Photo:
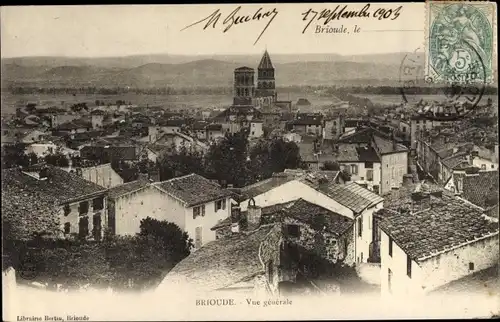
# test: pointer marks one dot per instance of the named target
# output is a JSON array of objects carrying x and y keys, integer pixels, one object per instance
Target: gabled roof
[
  {"x": 309, "y": 214},
  {"x": 75, "y": 124},
  {"x": 352, "y": 153},
  {"x": 60, "y": 185},
  {"x": 352, "y": 196},
  {"x": 220, "y": 263},
  {"x": 448, "y": 223},
  {"x": 480, "y": 188},
  {"x": 361, "y": 136},
  {"x": 455, "y": 160},
  {"x": 126, "y": 188},
  {"x": 264, "y": 186},
  {"x": 265, "y": 62},
  {"x": 193, "y": 189}
]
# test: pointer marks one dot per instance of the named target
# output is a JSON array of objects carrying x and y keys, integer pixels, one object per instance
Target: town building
[
  {"x": 324, "y": 189},
  {"x": 103, "y": 175},
  {"x": 47, "y": 200},
  {"x": 195, "y": 204},
  {"x": 308, "y": 123},
  {"x": 432, "y": 239},
  {"x": 262, "y": 250},
  {"x": 393, "y": 155},
  {"x": 256, "y": 130},
  {"x": 479, "y": 187}
]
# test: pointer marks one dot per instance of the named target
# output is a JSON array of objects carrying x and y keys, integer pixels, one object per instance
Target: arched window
[{"x": 246, "y": 91}]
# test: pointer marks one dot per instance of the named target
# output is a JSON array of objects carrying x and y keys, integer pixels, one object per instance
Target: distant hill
[{"x": 176, "y": 70}]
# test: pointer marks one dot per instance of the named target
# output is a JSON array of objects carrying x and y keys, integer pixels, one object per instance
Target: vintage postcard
[{"x": 273, "y": 161}]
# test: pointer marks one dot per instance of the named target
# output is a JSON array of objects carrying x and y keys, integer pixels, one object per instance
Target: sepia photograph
[{"x": 262, "y": 162}]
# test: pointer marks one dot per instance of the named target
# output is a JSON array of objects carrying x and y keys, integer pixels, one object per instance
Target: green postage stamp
[{"x": 460, "y": 42}]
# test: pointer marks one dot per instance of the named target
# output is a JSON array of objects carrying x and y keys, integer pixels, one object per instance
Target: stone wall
[{"x": 270, "y": 249}]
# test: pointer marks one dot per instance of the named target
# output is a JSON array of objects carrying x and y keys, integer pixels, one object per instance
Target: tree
[
  {"x": 180, "y": 163},
  {"x": 57, "y": 159},
  {"x": 13, "y": 155},
  {"x": 176, "y": 242},
  {"x": 226, "y": 161}
]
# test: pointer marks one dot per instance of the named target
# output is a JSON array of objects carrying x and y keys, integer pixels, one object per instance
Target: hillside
[{"x": 326, "y": 70}]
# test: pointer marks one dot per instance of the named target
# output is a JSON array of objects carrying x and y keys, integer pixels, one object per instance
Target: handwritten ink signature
[{"x": 234, "y": 19}]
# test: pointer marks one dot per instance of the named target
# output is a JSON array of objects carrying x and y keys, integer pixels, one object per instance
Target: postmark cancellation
[{"x": 460, "y": 42}]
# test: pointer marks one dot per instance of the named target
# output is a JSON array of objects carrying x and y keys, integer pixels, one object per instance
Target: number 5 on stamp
[{"x": 460, "y": 38}]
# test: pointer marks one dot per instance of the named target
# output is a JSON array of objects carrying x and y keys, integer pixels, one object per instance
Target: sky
[{"x": 107, "y": 31}]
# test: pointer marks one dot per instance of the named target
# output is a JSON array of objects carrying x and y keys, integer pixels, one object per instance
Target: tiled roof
[
  {"x": 30, "y": 205},
  {"x": 308, "y": 213},
  {"x": 386, "y": 146},
  {"x": 448, "y": 223},
  {"x": 115, "y": 152},
  {"x": 60, "y": 185},
  {"x": 455, "y": 160},
  {"x": 75, "y": 124},
  {"x": 478, "y": 188},
  {"x": 265, "y": 62},
  {"x": 193, "y": 189},
  {"x": 361, "y": 136},
  {"x": 171, "y": 122},
  {"x": 352, "y": 196},
  {"x": 352, "y": 153},
  {"x": 263, "y": 186},
  {"x": 128, "y": 187},
  {"x": 220, "y": 263}
]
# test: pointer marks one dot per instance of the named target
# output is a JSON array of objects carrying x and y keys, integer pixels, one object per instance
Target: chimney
[
  {"x": 473, "y": 154},
  {"x": 254, "y": 214},
  {"x": 407, "y": 180},
  {"x": 235, "y": 219},
  {"x": 420, "y": 201}
]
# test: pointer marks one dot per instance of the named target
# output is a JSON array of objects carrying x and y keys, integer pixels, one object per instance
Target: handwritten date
[{"x": 339, "y": 12}]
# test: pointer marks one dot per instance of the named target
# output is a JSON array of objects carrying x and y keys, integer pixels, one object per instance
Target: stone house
[
  {"x": 349, "y": 200},
  {"x": 432, "y": 239},
  {"x": 193, "y": 203},
  {"x": 48, "y": 200}
]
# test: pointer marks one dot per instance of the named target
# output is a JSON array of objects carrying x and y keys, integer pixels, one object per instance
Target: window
[
  {"x": 67, "y": 228},
  {"x": 198, "y": 211},
  {"x": 83, "y": 226},
  {"x": 389, "y": 280},
  {"x": 67, "y": 210},
  {"x": 98, "y": 203},
  {"x": 390, "y": 246},
  {"x": 360, "y": 226},
  {"x": 83, "y": 208},
  {"x": 493, "y": 166},
  {"x": 198, "y": 237},
  {"x": 471, "y": 266},
  {"x": 369, "y": 175},
  {"x": 96, "y": 223},
  {"x": 220, "y": 204},
  {"x": 354, "y": 169},
  {"x": 408, "y": 266},
  {"x": 483, "y": 166},
  {"x": 293, "y": 230}
]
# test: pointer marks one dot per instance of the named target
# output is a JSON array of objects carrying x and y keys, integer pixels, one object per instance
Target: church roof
[{"x": 265, "y": 62}]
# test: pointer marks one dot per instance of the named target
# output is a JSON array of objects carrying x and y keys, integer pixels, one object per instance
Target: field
[
  {"x": 398, "y": 99},
  {"x": 11, "y": 101}
]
